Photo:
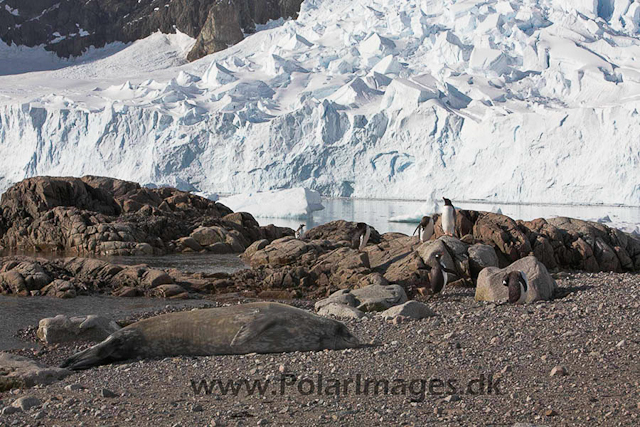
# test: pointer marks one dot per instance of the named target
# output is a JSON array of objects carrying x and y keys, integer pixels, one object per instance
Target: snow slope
[{"x": 523, "y": 102}]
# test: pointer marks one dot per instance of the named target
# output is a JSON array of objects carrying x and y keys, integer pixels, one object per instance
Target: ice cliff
[{"x": 532, "y": 101}]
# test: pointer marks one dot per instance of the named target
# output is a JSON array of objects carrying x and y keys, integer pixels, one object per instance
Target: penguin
[
  {"x": 363, "y": 234},
  {"x": 438, "y": 275},
  {"x": 448, "y": 218},
  {"x": 518, "y": 285},
  {"x": 300, "y": 232},
  {"x": 425, "y": 229}
]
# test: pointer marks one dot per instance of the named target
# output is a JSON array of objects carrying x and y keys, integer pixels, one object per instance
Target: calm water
[
  {"x": 378, "y": 213},
  {"x": 193, "y": 263}
]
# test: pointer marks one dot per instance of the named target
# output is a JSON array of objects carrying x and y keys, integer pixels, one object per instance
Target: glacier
[{"x": 520, "y": 102}]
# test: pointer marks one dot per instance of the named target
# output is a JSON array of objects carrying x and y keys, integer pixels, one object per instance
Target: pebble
[
  {"x": 10, "y": 410},
  {"x": 27, "y": 402},
  {"x": 107, "y": 393},
  {"x": 558, "y": 371}
]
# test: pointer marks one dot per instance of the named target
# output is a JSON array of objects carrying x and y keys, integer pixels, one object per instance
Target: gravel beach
[{"x": 569, "y": 361}]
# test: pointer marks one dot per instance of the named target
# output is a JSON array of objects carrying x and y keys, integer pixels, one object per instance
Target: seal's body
[
  {"x": 518, "y": 285},
  {"x": 448, "y": 218},
  {"x": 262, "y": 327},
  {"x": 425, "y": 229}
]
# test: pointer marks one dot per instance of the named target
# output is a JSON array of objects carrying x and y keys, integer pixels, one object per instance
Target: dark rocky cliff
[{"x": 69, "y": 27}]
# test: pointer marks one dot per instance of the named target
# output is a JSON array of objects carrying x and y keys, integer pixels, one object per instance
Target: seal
[
  {"x": 518, "y": 286},
  {"x": 262, "y": 327},
  {"x": 424, "y": 229}
]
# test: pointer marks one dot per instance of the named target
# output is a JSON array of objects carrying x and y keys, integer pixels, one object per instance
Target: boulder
[
  {"x": 284, "y": 251},
  {"x": 21, "y": 372},
  {"x": 154, "y": 278},
  {"x": 542, "y": 285},
  {"x": 343, "y": 297},
  {"x": 341, "y": 311},
  {"x": 53, "y": 330},
  {"x": 60, "y": 289},
  {"x": 171, "y": 291},
  {"x": 503, "y": 233},
  {"x": 481, "y": 256},
  {"x": 410, "y": 309},
  {"x": 339, "y": 231},
  {"x": 254, "y": 247},
  {"x": 379, "y": 298},
  {"x": 25, "y": 403},
  {"x": 206, "y": 236}
]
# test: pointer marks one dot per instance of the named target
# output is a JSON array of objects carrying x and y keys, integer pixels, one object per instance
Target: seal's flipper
[{"x": 254, "y": 329}]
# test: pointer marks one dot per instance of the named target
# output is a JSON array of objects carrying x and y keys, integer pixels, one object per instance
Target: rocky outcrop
[
  {"x": 340, "y": 231},
  {"x": 20, "y": 372},
  {"x": 541, "y": 285},
  {"x": 564, "y": 243},
  {"x": 69, "y": 27},
  {"x": 106, "y": 216}
]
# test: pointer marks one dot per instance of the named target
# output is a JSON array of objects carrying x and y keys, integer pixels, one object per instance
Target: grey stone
[
  {"x": 410, "y": 309},
  {"x": 18, "y": 371},
  {"x": 64, "y": 329},
  {"x": 27, "y": 402},
  {"x": 542, "y": 285},
  {"x": 340, "y": 310},
  {"x": 379, "y": 298}
]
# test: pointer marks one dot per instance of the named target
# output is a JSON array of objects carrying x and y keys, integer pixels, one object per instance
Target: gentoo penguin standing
[
  {"x": 300, "y": 232},
  {"x": 438, "y": 276},
  {"x": 425, "y": 229},
  {"x": 518, "y": 286},
  {"x": 448, "y": 218},
  {"x": 363, "y": 234}
]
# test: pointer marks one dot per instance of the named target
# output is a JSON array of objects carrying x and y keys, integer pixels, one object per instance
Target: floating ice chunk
[
  {"x": 376, "y": 45},
  {"x": 207, "y": 195},
  {"x": 496, "y": 210},
  {"x": 217, "y": 75},
  {"x": 388, "y": 65},
  {"x": 427, "y": 208},
  {"x": 355, "y": 92},
  {"x": 291, "y": 203},
  {"x": 407, "y": 94},
  {"x": 277, "y": 65},
  {"x": 294, "y": 42},
  {"x": 485, "y": 59}
]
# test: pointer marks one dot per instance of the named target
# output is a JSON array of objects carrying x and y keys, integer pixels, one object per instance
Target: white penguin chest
[{"x": 448, "y": 223}]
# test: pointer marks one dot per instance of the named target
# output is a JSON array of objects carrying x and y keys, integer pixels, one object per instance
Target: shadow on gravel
[{"x": 565, "y": 291}]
